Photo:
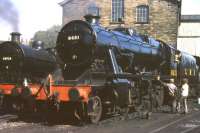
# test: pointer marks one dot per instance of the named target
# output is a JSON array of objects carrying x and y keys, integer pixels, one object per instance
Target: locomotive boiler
[
  {"x": 79, "y": 42},
  {"x": 22, "y": 59}
]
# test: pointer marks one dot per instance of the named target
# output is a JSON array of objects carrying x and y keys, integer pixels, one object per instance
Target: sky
[{"x": 35, "y": 15}]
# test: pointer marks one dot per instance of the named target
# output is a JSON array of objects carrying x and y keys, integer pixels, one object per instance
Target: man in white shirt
[{"x": 184, "y": 94}]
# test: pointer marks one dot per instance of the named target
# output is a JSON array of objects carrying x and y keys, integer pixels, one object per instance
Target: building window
[
  {"x": 142, "y": 14},
  {"x": 117, "y": 10},
  {"x": 93, "y": 10}
]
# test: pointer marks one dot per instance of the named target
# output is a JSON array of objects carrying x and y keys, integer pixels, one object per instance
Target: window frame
[
  {"x": 117, "y": 11},
  {"x": 142, "y": 17}
]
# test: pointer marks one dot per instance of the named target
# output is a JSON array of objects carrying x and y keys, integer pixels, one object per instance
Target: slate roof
[
  {"x": 190, "y": 18},
  {"x": 64, "y": 2}
]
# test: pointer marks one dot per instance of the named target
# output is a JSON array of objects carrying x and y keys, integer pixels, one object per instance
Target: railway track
[
  {"x": 158, "y": 123},
  {"x": 184, "y": 124}
]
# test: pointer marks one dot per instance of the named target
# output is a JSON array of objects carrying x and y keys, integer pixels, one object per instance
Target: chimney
[
  {"x": 92, "y": 19},
  {"x": 15, "y": 37}
]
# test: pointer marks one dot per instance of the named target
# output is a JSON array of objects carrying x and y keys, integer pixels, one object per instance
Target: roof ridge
[{"x": 64, "y": 2}]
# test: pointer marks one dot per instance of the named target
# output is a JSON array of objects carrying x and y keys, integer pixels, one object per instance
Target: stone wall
[
  {"x": 74, "y": 10},
  {"x": 164, "y": 21},
  {"x": 163, "y": 16}
]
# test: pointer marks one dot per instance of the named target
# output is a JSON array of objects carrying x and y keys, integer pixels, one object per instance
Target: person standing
[
  {"x": 170, "y": 92},
  {"x": 184, "y": 94}
]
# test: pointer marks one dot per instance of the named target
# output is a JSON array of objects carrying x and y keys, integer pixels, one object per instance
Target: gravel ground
[{"x": 161, "y": 121}]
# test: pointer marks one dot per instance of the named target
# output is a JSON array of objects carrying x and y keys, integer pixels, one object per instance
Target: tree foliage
[{"x": 48, "y": 37}]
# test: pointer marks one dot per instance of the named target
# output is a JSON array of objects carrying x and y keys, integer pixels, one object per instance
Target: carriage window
[
  {"x": 142, "y": 14},
  {"x": 117, "y": 10}
]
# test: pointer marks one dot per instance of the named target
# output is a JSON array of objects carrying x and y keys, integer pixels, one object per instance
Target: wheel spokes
[{"x": 96, "y": 113}]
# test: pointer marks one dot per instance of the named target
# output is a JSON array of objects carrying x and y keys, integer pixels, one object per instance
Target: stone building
[{"x": 157, "y": 18}]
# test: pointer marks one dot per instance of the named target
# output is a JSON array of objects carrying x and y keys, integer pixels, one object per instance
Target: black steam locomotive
[
  {"x": 103, "y": 71},
  {"x": 118, "y": 66},
  {"x": 23, "y": 69}
]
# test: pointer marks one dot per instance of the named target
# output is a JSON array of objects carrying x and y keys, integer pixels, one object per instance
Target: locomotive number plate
[
  {"x": 75, "y": 37},
  {"x": 7, "y": 58}
]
